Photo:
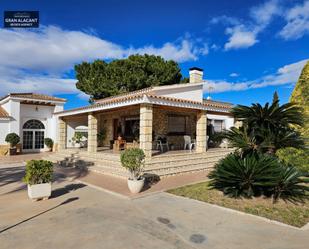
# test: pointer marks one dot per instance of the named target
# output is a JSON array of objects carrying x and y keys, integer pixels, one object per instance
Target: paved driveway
[{"x": 78, "y": 216}]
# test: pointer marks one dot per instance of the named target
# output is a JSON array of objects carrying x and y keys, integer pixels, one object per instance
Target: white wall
[
  {"x": 4, "y": 128},
  {"x": 42, "y": 113},
  {"x": 228, "y": 121},
  {"x": 71, "y": 125},
  {"x": 190, "y": 92},
  {"x": 13, "y": 108}
]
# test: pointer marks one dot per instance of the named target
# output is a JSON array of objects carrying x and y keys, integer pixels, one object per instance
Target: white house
[
  {"x": 31, "y": 116},
  {"x": 172, "y": 111}
]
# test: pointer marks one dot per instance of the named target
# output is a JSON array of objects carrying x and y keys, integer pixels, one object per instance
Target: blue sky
[{"x": 248, "y": 49}]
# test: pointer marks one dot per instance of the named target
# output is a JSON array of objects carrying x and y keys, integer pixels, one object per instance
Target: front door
[
  {"x": 33, "y": 135},
  {"x": 33, "y": 139}
]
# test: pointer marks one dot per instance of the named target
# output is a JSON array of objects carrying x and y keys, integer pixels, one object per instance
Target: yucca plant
[{"x": 246, "y": 176}]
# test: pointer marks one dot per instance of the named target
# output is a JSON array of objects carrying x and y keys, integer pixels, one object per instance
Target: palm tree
[
  {"x": 270, "y": 116},
  {"x": 266, "y": 128}
]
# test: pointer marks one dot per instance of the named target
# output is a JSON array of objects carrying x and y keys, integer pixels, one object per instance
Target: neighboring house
[
  {"x": 142, "y": 117},
  {"x": 31, "y": 116}
]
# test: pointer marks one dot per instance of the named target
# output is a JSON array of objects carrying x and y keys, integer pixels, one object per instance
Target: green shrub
[
  {"x": 12, "y": 138},
  {"x": 216, "y": 138},
  {"x": 291, "y": 184},
  {"x": 101, "y": 136},
  {"x": 258, "y": 174},
  {"x": 78, "y": 137},
  {"x": 38, "y": 171},
  {"x": 49, "y": 142},
  {"x": 296, "y": 157},
  {"x": 133, "y": 160},
  {"x": 247, "y": 176}
]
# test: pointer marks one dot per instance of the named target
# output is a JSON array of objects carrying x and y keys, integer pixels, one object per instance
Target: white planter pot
[
  {"x": 77, "y": 145},
  {"x": 39, "y": 191},
  {"x": 136, "y": 186}
]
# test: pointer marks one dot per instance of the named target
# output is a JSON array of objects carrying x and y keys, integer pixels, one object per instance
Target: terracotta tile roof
[
  {"x": 209, "y": 103},
  {"x": 34, "y": 96},
  {"x": 3, "y": 113},
  {"x": 106, "y": 101},
  {"x": 124, "y": 95},
  {"x": 149, "y": 93},
  {"x": 217, "y": 103}
]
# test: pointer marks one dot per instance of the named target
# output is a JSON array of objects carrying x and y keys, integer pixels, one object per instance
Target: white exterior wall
[
  {"x": 71, "y": 126},
  {"x": 190, "y": 92},
  {"x": 44, "y": 114},
  {"x": 228, "y": 121},
  {"x": 13, "y": 108},
  {"x": 4, "y": 128}
]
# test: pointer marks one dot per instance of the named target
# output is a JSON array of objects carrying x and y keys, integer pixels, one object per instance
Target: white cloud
[
  {"x": 36, "y": 60},
  {"x": 234, "y": 75},
  {"x": 218, "y": 86},
  {"x": 52, "y": 48},
  {"x": 182, "y": 52},
  {"x": 240, "y": 37},
  {"x": 263, "y": 14},
  {"x": 243, "y": 34},
  {"x": 226, "y": 20},
  {"x": 215, "y": 47},
  {"x": 297, "y": 19},
  {"x": 285, "y": 75}
]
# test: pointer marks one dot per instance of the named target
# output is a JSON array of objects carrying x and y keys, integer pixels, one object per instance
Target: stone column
[
  {"x": 62, "y": 136},
  {"x": 92, "y": 133},
  {"x": 145, "y": 132},
  {"x": 201, "y": 132}
]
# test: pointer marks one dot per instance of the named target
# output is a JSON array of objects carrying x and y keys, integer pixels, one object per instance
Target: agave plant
[{"x": 245, "y": 176}]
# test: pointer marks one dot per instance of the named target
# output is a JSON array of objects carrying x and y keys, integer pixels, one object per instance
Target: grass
[{"x": 285, "y": 212}]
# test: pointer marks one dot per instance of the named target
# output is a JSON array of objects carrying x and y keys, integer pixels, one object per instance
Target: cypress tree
[{"x": 300, "y": 95}]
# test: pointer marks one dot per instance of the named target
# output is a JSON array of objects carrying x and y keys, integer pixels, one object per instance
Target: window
[
  {"x": 131, "y": 128},
  {"x": 177, "y": 124},
  {"x": 33, "y": 124},
  {"x": 218, "y": 125}
]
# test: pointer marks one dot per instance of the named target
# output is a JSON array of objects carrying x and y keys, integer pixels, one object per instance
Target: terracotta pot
[{"x": 13, "y": 151}]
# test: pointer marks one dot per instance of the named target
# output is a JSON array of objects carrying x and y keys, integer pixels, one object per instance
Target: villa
[{"x": 172, "y": 119}]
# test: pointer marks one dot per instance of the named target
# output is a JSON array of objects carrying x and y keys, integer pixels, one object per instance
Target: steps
[{"x": 162, "y": 165}]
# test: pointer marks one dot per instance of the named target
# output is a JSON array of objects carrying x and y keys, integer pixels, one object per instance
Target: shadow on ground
[
  {"x": 11, "y": 175},
  {"x": 39, "y": 214},
  {"x": 66, "y": 189},
  {"x": 14, "y": 175}
]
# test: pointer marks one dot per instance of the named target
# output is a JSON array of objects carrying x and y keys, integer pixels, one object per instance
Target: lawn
[{"x": 285, "y": 212}]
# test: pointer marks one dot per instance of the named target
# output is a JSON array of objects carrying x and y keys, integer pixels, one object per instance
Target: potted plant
[
  {"x": 38, "y": 177},
  {"x": 133, "y": 160},
  {"x": 13, "y": 139},
  {"x": 77, "y": 139},
  {"x": 101, "y": 137},
  {"x": 49, "y": 143}
]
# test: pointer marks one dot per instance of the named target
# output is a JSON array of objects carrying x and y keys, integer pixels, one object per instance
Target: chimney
[{"x": 196, "y": 75}]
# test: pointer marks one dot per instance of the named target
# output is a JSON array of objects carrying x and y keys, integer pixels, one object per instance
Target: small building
[{"x": 31, "y": 116}]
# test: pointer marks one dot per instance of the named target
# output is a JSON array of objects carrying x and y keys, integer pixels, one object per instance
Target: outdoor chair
[
  {"x": 160, "y": 143},
  {"x": 188, "y": 142}
]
